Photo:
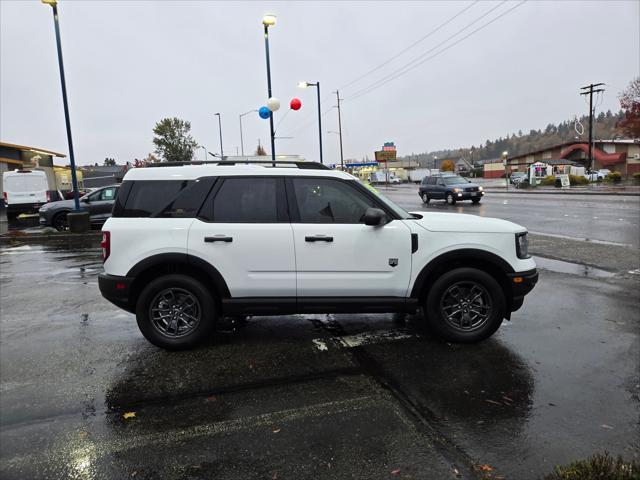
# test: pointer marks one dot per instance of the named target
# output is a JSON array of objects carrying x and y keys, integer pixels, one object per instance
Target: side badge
[{"x": 393, "y": 262}]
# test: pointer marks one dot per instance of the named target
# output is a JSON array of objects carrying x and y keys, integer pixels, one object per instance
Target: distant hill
[{"x": 604, "y": 127}]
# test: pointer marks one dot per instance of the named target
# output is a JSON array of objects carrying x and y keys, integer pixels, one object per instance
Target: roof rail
[{"x": 263, "y": 163}]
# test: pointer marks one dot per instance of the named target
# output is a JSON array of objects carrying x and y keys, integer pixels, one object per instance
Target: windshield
[
  {"x": 401, "y": 212},
  {"x": 454, "y": 180}
]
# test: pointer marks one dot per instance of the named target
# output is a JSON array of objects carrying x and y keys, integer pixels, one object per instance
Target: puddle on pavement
[{"x": 571, "y": 268}]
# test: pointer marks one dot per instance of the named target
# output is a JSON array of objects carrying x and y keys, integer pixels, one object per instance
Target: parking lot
[{"x": 83, "y": 395}]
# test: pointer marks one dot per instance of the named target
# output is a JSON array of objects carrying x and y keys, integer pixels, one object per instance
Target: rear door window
[
  {"x": 247, "y": 200},
  {"x": 25, "y": 182}
]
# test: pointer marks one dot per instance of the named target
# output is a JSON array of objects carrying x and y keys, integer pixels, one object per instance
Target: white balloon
[{"x": 273, "y": 104}]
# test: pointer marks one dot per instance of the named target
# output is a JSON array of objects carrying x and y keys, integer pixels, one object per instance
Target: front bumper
[
  {"x": 521, "y": 284},
  {"x": 468, "y": 195},
  {"x": 116, "y": 290}
]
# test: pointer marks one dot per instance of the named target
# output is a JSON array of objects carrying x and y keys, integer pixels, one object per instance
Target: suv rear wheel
[
  {"x": 175, "y": 312},
  {"x": 465, "y": 305}
]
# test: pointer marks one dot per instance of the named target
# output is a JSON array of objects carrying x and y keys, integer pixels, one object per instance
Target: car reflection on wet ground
[{"x": 83, "y": 395}]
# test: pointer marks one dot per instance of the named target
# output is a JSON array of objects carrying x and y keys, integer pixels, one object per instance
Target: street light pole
[
  {"x": 220, "y": 130},
  {"x": 317, "y": 85},
  {"x": 72, "y": 160},
  {"x": 267, "y": 21},
  {"x": 205, "y": 152},
  {"x": 340, "y": 131},
  {"x": 241, "y": 141},
  {"x": 505, "y": 155}
]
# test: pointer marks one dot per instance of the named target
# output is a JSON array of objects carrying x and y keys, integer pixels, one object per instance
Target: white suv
[{"x": 188, "y": 244}]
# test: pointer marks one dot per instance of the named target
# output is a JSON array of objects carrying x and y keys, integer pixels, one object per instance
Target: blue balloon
[{"x": 264, "y": 112}]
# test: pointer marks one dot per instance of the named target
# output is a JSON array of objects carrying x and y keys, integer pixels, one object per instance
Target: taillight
[
  {"x": 4, "y": 195},
  {"x": 48, "y": 196},
  {"x": 106, "y": 245}
]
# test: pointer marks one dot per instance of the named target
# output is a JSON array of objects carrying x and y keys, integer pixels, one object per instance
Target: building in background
[
  {"x": 23, "y": 157},
  {"x": 102, "y": 175},
  {"x": 621, "y": 155}
]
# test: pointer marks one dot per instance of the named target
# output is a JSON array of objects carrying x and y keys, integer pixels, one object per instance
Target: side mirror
[{"x": 373, "y": 216}]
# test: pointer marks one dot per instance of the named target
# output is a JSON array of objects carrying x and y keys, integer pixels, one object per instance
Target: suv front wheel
[
  {"x": 465, "y": 305},
  {"x": 175, "y": 312},
  {"x": 450, "y": 198}
]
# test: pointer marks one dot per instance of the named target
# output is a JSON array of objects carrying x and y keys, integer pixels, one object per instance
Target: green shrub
[
  {"x": 598, "y": 467},
  {"x": 636, "y": 177},
  {"x": 613, "y": 177},
  {"x": 548, "y": 180},
  {"x": 578, "y": 180}
]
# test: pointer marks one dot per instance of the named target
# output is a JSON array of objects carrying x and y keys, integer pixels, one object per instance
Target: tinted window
[
  {"x": 150, "y": 197},
  {"x": 431, "y": 181},
  {"x": 189, "y": 200},
  {"x": 247, "y": 200},
  {"x": 321, "y": 200}
]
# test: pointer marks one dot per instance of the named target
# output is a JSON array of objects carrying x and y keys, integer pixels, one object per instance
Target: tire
[
  {"x": 425, "y": 198},
  {"x": 475, "y": 201},
  {"x": 483, "y": 314},
  {"x": 59, "y": 221},
  {"x": 450, "y": 199},
  {"x": 192, "y": 301}
]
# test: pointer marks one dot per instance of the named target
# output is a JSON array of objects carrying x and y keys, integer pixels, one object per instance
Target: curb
[
  {"x": 52, "y": 237},
  {"x": 565, "y": 192}
]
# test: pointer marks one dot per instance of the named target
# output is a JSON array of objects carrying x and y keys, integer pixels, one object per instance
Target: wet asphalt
[
  {"x": 608, "y": 218},
  {"x": 84, "y": 396}
]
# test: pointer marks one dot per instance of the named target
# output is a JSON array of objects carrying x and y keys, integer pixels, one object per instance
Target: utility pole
[
  {"x": 340, "y": 131},
  {"x": 590, "y": 90}
]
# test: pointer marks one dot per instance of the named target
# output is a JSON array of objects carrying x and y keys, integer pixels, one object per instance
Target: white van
[{"x": 24, "y": 191}]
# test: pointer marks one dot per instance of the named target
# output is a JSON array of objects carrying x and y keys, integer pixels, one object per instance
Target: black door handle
[
  {"x": 318, "y": 238},
  {"x": 218, "y": 238}
]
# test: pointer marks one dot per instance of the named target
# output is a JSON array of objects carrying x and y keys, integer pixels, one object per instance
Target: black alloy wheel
[{"x": 465, "y": 305}]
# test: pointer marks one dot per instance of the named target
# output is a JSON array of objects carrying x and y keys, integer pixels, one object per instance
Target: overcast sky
[{"x": 130, "y": 63}]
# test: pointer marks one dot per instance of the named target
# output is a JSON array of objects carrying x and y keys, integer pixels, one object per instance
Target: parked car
[
  {"x": 517, "y": 177},
  {"x": 597, "y": 175},
  {"x": 380, "y": 176},
  {"x": 68, "y": 195},
  {"x": 24, "y": 191},
  {"x": 98, "y": 203},
  {"x": 449, "y": 187},
  {"x": 187, "y": 245}
]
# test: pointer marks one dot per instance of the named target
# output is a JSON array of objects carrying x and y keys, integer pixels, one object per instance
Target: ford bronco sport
[{"x": 188, "y": 244}]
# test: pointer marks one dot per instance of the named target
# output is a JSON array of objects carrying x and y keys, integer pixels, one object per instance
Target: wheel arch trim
[
  {"x": 182, "y": 259},
  {"x": 472, "y": 254}
]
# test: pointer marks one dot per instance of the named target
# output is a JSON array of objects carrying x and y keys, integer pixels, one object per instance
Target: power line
[
  {"x": 406, "y": 49},
  {"x": 409, "y": 67}
]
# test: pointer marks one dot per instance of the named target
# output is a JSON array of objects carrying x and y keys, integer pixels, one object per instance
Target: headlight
[
  {"x": 480, "y": 188},
  {"x": 457, "y": 190},
  {"x": 522, "y": 245}
]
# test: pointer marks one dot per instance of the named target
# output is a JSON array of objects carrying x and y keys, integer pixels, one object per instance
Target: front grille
[{"x": 471, "y": 189}]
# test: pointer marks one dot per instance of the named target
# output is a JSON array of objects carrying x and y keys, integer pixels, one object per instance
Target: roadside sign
[
  {"x": 564, "y": 178},
  {"x": 385, "y": 155}
]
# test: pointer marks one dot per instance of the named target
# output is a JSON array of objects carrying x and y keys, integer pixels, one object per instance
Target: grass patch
[{"x": 597, "y": 467}]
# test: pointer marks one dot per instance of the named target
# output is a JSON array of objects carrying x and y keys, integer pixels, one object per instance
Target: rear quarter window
[{"x": 162, "y": 198}]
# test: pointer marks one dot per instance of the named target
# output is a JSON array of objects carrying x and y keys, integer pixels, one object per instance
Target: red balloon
[{"x": 295, "y": 104}]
